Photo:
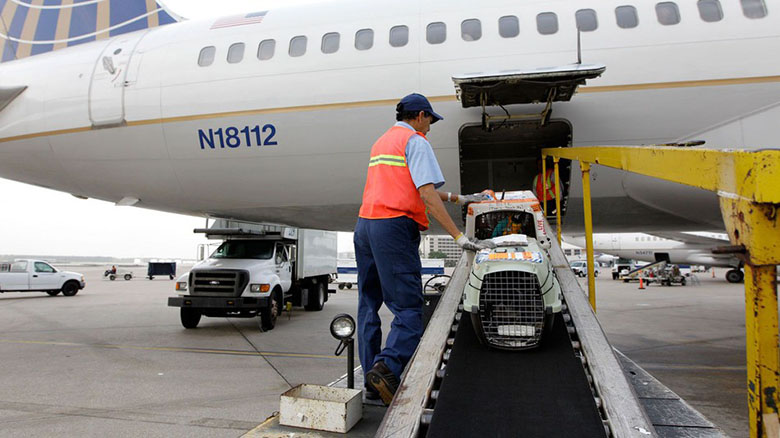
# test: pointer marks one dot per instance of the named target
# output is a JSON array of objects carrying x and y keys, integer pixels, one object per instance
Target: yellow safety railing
[{"x": 748, "y": 188}]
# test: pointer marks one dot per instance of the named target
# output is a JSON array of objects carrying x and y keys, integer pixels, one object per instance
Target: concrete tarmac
[{"x": 115, "y": 361}]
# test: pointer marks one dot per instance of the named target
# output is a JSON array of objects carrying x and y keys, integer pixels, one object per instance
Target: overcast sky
[{"x": 42, "y": 221}]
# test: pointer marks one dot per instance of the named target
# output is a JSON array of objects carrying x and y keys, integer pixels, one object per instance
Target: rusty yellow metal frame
[{"x": 748, "y": 187}]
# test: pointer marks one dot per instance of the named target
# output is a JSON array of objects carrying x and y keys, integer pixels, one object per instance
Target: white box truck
[{"x": 255, "y": 271}]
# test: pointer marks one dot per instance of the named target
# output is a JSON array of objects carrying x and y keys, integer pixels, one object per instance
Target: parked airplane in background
[
  {"x": 676, "y": 248},
  {"x": 255, "y": 117}
]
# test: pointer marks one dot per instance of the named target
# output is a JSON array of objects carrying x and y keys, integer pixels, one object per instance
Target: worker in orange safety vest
[
  {"x": 400, "y": 191},
  {"x": 548, "y": 197}
]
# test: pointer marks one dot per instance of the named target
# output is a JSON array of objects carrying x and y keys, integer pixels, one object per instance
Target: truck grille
[
  {"x": 218, "y": 283},
  {"x": 511, "y": 309}
]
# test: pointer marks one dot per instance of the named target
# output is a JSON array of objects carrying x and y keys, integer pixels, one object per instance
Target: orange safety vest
[
  {"x": 390, "y": 191},
  {"x": 550, "y": 195}
]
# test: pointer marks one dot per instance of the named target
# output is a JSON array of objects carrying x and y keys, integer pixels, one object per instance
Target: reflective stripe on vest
[
  {"x": 390, "y": 191},
  {"x": 550, "y": 193},
  {"x": 389, "y": 160}
]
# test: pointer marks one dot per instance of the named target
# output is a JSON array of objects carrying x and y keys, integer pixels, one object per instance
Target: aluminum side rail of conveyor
[{"x": 427, "y": 403}]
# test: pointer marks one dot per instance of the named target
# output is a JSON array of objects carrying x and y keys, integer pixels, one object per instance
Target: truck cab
[{"x": 257, "y": 273}]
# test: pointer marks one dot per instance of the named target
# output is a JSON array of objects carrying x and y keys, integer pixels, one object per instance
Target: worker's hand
[
  {"x": 473, "y": 244},
  {"x": 475, "y": 197}
]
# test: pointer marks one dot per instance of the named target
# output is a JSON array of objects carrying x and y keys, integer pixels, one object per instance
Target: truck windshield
[{"x": 245, "y": 249}]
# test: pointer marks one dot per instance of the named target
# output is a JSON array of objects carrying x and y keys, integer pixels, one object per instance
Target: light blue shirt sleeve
[{"x": 421, "y": 161}]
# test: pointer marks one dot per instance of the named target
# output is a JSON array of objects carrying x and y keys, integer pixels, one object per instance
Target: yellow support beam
[
  {"x": 753, "y": 175},
  {"x": 585, "y": 167},
  {"x": 543, "y": 176},
  {"x": 747, "y": 185},
  {"x": 558, "y": 224}
]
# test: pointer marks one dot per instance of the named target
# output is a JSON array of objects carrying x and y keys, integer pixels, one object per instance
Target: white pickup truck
[
  {"x": 26, "y": 275},
  {"x": 255, "y": 272}
]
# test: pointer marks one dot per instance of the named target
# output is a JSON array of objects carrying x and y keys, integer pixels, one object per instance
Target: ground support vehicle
[
  {"x": 123, "y": 273},
  {"x": 622, "y": 267},
  {"x": 256, "y": 271},
  {"x": 28, "y": 275},
  {"x": 580, "y": 268},
  {"x": 513, "y": 293},
  {"x": 161, "y": 269}
]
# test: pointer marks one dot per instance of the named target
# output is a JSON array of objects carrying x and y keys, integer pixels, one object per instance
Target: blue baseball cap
[{"x": 418, "y": 102}]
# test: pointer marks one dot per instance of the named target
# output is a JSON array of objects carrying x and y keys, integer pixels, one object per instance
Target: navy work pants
[{"x": 389, "y": 271}]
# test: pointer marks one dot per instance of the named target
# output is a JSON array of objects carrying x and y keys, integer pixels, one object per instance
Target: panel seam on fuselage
[{"x": 372, "y": 103}]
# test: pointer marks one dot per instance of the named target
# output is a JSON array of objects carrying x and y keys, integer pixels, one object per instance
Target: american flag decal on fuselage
[{"x": 239, "y": 20}]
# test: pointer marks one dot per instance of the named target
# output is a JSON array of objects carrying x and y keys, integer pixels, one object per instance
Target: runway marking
[
  {"x": 392, "y": 102},
  {"x": 175, "y": 349}
]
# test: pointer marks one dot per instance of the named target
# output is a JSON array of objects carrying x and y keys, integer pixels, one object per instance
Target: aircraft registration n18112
[{"x": 269, "y": 116}]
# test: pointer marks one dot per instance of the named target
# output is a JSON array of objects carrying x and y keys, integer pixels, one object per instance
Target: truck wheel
[
  {"x": 268, "y": 315},
  {"x": 128, "y": 276},
  {"x": 70, "y": 288},
  {"x": 342, "y": 286},
  {"x": 189, "y": 317},
  {"x": 53, "y": 293},
  {"x": 316, "y": 297},
  {"x": 349, "y": 285},
  {"x": 112, "y": 277}
]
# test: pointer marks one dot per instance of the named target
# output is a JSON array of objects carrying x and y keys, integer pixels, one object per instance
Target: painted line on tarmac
[
  {"x": 176, "y": 349},
  {"x": 684, "y": 367}
]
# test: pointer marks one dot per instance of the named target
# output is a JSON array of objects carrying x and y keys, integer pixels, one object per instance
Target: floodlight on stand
[{"x": 343, "y": 328}]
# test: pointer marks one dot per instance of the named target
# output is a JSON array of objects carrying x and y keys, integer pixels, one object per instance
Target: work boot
[{"x": 381, "y": 380}]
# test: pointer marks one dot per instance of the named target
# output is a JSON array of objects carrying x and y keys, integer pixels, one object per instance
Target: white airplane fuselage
[
  {"x": 287, "y": 139},
  {"x": 647, "y": 248}
]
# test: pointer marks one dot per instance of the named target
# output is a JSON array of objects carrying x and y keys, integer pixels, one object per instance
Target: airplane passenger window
[
  {"x": 508, "y": 26},
  {"x": 547, "y": 23},
  {"x": 626, "y": 17},
  {"x": 330, "y": 42},
  {"x": 364, "y": 39},
  {"x": 709, "y": 10},
  {"x": 298, "y": 46},
  {"x": 399, "y": 36},
  {"x": 206, "y": 56},
  {"x": 436, "y": 33},
  {"x": 265, "y": 50},
  {"x": 235, "y": 53},
  {"x": 754, "y": 8},
  {"x": 667, "y": 13},
  {"x": 471, "y": 30},
  {"x": 586, "y": 20}
]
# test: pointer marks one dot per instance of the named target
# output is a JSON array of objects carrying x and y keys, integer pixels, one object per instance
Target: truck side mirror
[{"x": 292, "y": 253}]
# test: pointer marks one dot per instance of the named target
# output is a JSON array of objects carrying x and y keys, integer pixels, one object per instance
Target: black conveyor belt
[{"x": 535, "y": 393}]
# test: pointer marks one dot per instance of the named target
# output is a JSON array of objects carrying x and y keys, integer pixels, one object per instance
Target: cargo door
[
  {"x": 109, "y": 79},
  {"x": 543, "y": 85}
]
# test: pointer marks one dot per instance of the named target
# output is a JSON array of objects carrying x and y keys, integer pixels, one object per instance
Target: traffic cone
[{"x": 641, "y": 283}]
